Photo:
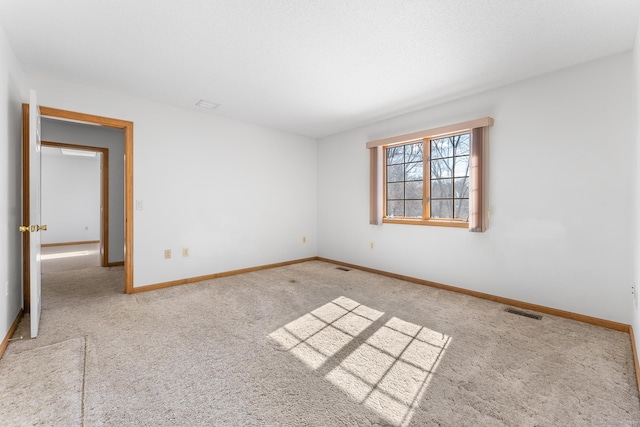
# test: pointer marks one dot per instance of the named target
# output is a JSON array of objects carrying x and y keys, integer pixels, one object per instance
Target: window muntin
[{"x": 442, "y": 194}]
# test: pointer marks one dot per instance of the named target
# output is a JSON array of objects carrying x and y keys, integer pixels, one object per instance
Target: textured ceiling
[{"x": 313, "y": 67}]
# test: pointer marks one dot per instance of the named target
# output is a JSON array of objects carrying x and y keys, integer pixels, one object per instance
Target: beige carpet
[
  {"x": 43, "y": 386},
  {"x": 311, "y": 345}
]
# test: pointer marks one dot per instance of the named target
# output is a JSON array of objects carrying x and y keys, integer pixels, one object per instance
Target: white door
[{"x": 34, "y": 212}]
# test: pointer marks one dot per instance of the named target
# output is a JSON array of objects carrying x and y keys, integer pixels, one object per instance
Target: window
[
  {"x": 442, "y": 193},
  {"x": 431, "y": 177}
]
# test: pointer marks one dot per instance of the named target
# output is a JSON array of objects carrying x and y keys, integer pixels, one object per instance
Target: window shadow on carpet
[{"x": 380, "y": 361}]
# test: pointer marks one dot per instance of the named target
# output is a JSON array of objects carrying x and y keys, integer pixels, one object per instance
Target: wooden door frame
[
  {"x": 127, "y": 127},
  {"x": 104, "y": 195}
]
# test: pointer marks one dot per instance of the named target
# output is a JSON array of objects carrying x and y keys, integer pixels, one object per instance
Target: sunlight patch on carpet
[
  {"x": 388, "y": 372},
  {"x": 65, "y": 255},
  {"x": 320, "y": 334}
]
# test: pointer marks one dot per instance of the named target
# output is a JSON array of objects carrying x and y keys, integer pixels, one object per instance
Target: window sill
[{"x": 431, "y": 222}]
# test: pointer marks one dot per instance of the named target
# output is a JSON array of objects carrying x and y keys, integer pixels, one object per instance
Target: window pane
[
  {"x": 461, "y": 207},
  {"x": 414, "y": 208},
  {"x": 461, "y": 144},
  {"x": 442, "y": 168},
  {"x": 442, "y": 208},
  {"x": 413, "y": 152},
  {"x": 395, "y": 155},
  {"x": 395, "y": 208},
  {"x": 395, "y": 190},
  {"x": 413, "y": 190},
  {"x": 461, "y": 166},
  {"x": 414, "y": 171},
  {"x": 441, "y": 188},
  {"x": 441, "y": 147},
  {"x": 461, "y": 188},
  {"x": 395, "y": 173},
  {"x": 404, "y": 184}
]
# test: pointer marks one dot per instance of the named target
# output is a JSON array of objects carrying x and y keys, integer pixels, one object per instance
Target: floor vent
[
  {"x": 343, "y": 268},
  {"x": 523, "y": 313}
]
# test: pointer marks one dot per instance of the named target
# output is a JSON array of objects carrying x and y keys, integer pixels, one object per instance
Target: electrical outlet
[
  {"x": 185, "y": 252},
  {"x": 304, "y": 239},
  {"x": 634, "y": 291},
  {"x": 371, "y": 245},
  {"x": 167, "y": 253}
]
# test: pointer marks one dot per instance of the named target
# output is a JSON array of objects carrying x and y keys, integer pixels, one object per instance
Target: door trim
[{"x": 127, "y": 127}]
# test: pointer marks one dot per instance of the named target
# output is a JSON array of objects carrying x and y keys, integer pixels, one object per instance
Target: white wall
[
  {"x": 105, "y": 137},
  {"x": 70, "y": 197},
  {"x": 635, "y": 310},
  {"x": 11, "y": 86},
  {"x": 237, "y": 195},
  {"x": 560, "y": 194}
]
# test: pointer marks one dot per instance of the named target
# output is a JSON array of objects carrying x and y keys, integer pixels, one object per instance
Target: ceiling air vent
[{"x": 522, "y": 313}]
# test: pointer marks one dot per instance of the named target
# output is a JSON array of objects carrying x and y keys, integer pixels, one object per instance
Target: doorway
[
  {"x": 72, "y": 202},
  {"x": 64, "y": 115}
]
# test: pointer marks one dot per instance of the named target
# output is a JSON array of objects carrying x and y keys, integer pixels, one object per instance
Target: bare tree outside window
[
  {"x": 405, "y": 180},
  {"x": 449, "y": 163},
  {"x": 446, "y": 195}
]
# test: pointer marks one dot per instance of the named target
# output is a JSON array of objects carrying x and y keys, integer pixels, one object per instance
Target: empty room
[{"x": 320, "y": 213}]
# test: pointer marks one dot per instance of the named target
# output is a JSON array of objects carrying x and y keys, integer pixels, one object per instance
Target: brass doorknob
[{"x": 32, "y": 228}]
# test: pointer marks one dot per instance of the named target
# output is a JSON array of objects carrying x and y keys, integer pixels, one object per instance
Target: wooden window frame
[
  {"x": 477, "y": 220},
  {"x": 426, "y": 185}
]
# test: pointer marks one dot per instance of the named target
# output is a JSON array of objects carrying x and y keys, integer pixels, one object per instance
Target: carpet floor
[{"x": 305, "y": 345}]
